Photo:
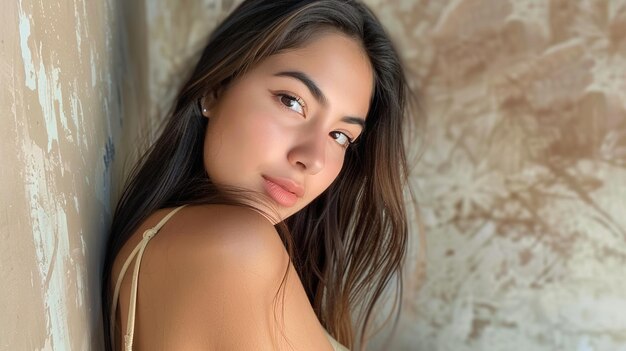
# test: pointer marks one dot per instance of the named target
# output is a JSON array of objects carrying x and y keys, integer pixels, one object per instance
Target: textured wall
[
  {"x": 61, "y": 107},
  {"x": 523, "y": 180}
]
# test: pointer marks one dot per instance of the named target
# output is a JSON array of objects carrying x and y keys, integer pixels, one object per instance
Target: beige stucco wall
[
  {"x": 521, "y": 182},
  {"x": 67, "y": 93}
]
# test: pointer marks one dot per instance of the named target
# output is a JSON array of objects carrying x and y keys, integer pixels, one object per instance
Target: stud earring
[{"x": 204, "y": 110}]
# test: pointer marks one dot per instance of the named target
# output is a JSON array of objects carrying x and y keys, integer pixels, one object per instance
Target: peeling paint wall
[{"x": 61, "y": 69}]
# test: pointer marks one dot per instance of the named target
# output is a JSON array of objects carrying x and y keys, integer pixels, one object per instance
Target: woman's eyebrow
[
  {"x": 354, "y": 120},
  {"x": 317, "y": 93},
  {"x": 304, "y": 78}
]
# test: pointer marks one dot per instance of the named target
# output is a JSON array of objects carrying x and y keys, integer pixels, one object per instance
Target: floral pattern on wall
[{"x": 522, "y": 184}]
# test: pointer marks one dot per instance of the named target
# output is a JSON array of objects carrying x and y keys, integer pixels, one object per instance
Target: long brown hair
[{"x": 348, "y": 245}]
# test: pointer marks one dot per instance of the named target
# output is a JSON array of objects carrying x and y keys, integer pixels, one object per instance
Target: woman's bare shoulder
[
  {"x": 213, "y": 272},
  {"x": 211, "y": 233}
]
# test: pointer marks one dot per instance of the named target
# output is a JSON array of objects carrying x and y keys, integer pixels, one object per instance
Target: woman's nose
[{"x": 309, "y": 153}]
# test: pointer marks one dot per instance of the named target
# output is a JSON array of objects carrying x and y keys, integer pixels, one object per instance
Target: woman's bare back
[{"x": 208, "y": 280}]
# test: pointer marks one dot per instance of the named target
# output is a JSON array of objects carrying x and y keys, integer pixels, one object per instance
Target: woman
[{"x": 273, "y": 199}]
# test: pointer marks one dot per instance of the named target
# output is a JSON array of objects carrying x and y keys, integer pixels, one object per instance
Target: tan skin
[{"x": 209, "y": 277}]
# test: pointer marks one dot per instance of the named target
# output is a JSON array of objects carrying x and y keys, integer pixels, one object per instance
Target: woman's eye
[
  {"x": 341, "y": 138},
  {"x": 292, "y": 103}
]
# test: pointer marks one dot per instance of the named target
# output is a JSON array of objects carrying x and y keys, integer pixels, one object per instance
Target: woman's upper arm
[{"x": 221, "y": 289}]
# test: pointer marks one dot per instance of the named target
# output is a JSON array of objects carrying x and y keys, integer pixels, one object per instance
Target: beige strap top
[{"x": 138, "y": 251}]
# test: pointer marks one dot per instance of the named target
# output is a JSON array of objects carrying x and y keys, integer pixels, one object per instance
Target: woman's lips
[{"x": 280, "y": 193}]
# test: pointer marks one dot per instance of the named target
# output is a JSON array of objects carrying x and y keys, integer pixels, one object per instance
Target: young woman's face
[{"x": 282, "y": 129}]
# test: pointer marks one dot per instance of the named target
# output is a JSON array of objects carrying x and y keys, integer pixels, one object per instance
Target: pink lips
[{"x": 284, "y": 191}]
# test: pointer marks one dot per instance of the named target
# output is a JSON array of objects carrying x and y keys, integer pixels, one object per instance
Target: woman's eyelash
[
  {"x": 291, "y": 98},
  {"x": 349, "y": 140}
]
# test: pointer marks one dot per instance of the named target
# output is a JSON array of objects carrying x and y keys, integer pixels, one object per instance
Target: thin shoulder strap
[{"x": 130, "y": 325}]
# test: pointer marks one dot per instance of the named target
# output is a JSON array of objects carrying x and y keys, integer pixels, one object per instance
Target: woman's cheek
[{"x": 269, "y": 127}]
